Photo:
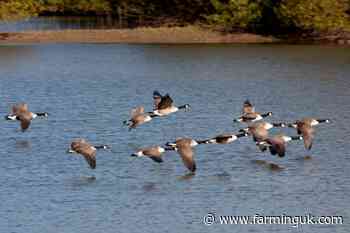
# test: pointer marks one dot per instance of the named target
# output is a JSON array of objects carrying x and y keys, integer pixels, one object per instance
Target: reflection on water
[
  {"x": 187, "y": 176},
  {"x": 269, "y": 165},
  {"x": 23, "y": 144},
  {"x": 149, "y": 187},
  {"x": 81, "y": 181},
  {"x": 59, "y": 23},
  {"x": 89, "y": 90}
]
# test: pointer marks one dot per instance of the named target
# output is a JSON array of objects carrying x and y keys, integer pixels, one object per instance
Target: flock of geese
[{"x": 255, "y": 127}]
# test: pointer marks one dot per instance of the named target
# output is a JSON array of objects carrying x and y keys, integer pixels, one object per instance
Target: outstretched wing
[
  {"x": 137, "y": 111},
  {"x": 86, "y": 150},
  {"x": 157, "y": 97},
  {"x": 277, "y": 146},
  {"x": 308, "y": 135},
  {"x": 186, "y": 153},
  {"x": 249, "y": 116},
  {"x": 153, "y": 153},
  {"x": 166, "y": 102},
  {"x": 259, "y": 133},
  {"x": 19, "y": 108},
  {"x": 247, "y": 107},
  {"x": 25, "y": 119}
]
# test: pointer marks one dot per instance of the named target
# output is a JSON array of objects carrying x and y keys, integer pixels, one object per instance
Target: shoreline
[{"x": 161, "y": 35}]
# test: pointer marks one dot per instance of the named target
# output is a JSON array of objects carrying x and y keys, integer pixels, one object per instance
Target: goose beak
[
  {"x": 70, "y": 151},
  {"x": 171, "y": 145},
  {"x": 244, "y": 130},
  {"x": 10, "y": 117},
  {"x": 238, "y": 119}
]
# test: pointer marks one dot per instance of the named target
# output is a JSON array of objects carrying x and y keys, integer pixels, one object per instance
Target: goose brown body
[{"x": 81, "y": 146}]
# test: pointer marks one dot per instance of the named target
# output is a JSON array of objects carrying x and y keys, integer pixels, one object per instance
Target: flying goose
[
  {"x": 163, "y": 105},
  {"x": 153, "y": 152},
  {"x": 305, "y": 128},
  {"x": 252, "y": 117},
  {"x": 138, "y": 117},
  {"x": 259, "y": 130},
  {"x": 81, "y": 146},
  {"x": 225, "y": 138},
  {"x": 277, "y": 144},
  {"x": 184, "y": 147},
  {"x": 21, "y": 113},
  {"x": 249, "y": 114},
  {"x": 20, "y": 108}
]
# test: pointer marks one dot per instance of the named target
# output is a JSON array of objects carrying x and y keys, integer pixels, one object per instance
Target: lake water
[
  {"x": 59, "y": 23},
  {"x": 88, "y": 91}
]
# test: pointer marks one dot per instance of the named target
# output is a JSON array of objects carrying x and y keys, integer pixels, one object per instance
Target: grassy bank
[{"x": 190, "y": 34}]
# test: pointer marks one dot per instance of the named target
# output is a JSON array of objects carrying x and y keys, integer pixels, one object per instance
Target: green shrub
[
  {"x": 236, "y": 14},
  {"x": 319, "y": 15}
]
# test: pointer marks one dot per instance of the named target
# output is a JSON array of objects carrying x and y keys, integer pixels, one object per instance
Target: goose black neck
[
  {"x": 296, "y": 138},
  {"x": 152, "y": 115},
  {"x": 169, "y": 148},
  {"x": 100, "y": 147},
  {"x": 278, "y": 124},
  {"x": 239, "y": 135},
  {"x": 203, "y": 142},
  {"x": 42, "y": 114},
  {"x": 185, "y": 106},
  {"x": 323, "y": 120},
  {"x": 266, "y": 114}
]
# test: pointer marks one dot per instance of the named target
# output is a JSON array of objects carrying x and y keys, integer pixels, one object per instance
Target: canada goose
[
  {"x": 21, "y": 113},
  {"x": 252, "y": 117},
  {"x": 258, "y": 129},
  {"x": 81, "y": 146},
  {"x": 310, "y": 121},
  {"x": 305, "y": 128},
  {"x": 138, "y": 117},
  {"x": 225, "y": 138},
  {"x": 184, "y": 147},
  {"x": 20, "y": 108},
  {"x": 277, "y": 144},
  {"x": 153, "y": 152},
  {"x": 164, "y": 105},
  {"x": 249, "y": 114}
]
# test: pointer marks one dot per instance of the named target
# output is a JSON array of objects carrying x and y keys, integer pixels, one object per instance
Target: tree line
[{"x": 261, "y": 16}]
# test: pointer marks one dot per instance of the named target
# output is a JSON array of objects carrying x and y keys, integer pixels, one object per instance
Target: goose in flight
[
  {"x": 184, "y": 146},
  {"x": 84, "y": 148},
  {"x": 277, "y": 144},
  {"x": 163, "y": 105},
  {"x": 249, "y": 114},
  {"x": 153, "y": 152},
  {"x": 21, "y": 113},
  {"x": 225, "y": 138},
  {"x": 305, "y": 127},
  {"x": 138, "y": 117}
]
